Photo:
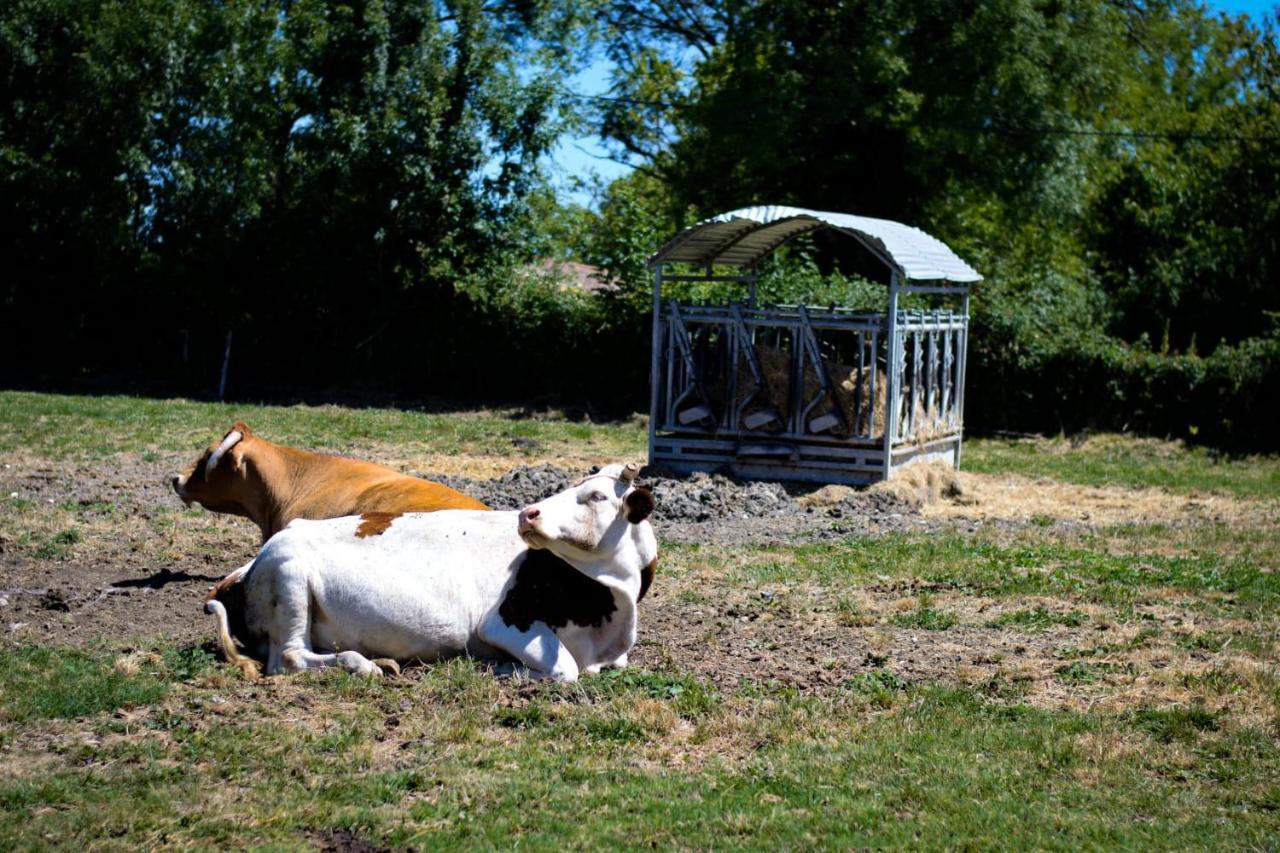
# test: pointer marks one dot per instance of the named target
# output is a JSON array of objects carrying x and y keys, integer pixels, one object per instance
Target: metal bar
[
  {"x": 810, "y": 348},
  {"x": 891, "y": 395},
  {"x": 879, "y": 253},
  {"x": 668, "y": 354},
  {"x": 933, "y": 378},
  {"x": 953, "y": 338},
  {"x": 921, "y": 288},
  {"x": 656, "y": 342},
  {"x": 732, "y": 413},
  {"x": 915, "y": 382},
  {"x": 745, "y": 348},
  {"x": 742, "y": 278},
  {"x": 948, "y": 379},
  {"x": 964, "y": 358},
  {"x": 693, "y": 383},
  {"x": 703, "y": 315},
  {"x": 871, "y": 392},
  {"x": 795, "y": 394},
  {"x": 859, "y": 391}
]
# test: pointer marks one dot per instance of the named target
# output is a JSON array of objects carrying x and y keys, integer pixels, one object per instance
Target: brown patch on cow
[
  {"x": 375, "y": 523},
  {"x": 646, "y": 578},
  {"x": 639, "y": 503},
  {"x": 548, "y": 589},
  {"x": 223, "y": 585}
]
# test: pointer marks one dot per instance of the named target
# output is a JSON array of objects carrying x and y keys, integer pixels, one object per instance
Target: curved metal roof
[{"x": 742, "y": 238}]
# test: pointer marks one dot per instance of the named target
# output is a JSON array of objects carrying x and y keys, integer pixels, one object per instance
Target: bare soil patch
[{"x": 137, "y": 564}]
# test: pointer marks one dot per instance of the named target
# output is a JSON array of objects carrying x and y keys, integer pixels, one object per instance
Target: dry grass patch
[{"x": 1012, "y": 497}]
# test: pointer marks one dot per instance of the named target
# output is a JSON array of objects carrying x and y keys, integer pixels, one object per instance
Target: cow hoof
[
  {"x": 387, "y": 666},
  {"x": 357, "y": 664},
  {"x": 250, "y": 669}
]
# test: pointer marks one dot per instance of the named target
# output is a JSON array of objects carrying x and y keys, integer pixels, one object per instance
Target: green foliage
[
  {"x": 354, "y": 190},
  {"x": 1111, "y": 169},
  {"x": 297, "y": 174},
  {"x": 1087, "y": 380},
  {"x": 186, "y": 663}
]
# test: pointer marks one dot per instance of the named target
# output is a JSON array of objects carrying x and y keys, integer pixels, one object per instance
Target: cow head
[
  {"x": 592, "y": 520},
  {"x": 216, "y": 480}
]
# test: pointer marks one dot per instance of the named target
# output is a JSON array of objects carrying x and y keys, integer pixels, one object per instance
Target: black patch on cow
[
  {"x": 646, "y": 578},
  {"x": 547, "y": 589},
  {"x": 639, "y": 504}
]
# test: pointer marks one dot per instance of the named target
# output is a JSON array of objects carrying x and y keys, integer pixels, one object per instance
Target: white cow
[{"x": 554, "y": 586}]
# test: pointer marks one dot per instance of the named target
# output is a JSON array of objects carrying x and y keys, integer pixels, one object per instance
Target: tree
[{"x": 302, "y": 171}]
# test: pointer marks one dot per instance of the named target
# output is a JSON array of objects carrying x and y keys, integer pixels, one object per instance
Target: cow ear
[
  {"x": 237, "y": 458},
  {"x": 242, "y": 428},
  {"x": 639, "y": 503}
]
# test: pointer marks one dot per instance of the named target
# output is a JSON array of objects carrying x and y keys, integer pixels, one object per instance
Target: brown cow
[{"x": 272, "y": 485}]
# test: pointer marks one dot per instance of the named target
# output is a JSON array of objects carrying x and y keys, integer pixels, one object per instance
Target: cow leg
[
  {"x": 300, "y": 660},
  {"x": 537, "y": 648},
  {"x": 289, "y": 628}
]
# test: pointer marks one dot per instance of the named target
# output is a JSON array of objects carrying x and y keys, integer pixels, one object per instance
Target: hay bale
[
  {"x": 923, "y": 483},
  {"x": 775, "y": 369},
  {"x": 846, "y": 380}
]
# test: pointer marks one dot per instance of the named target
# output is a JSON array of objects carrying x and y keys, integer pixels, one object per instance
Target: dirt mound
[
  {"x": 515, "y": 489},
  {"x": 696, "y": 499}
]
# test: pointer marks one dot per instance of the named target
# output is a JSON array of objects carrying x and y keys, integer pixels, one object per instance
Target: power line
[
  {"x": 1172, "y": 136},
  {"x": 1144, "y": 135}
]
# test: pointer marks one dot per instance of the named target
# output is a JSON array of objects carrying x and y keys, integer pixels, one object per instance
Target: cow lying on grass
[
  {"x": 272, "y": 485},
  {"x": 554, "y": 586}
]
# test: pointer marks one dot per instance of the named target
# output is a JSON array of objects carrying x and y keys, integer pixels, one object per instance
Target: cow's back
[
  {"x": 331, "y": 487},
  {"x": 399, "y": 585}
]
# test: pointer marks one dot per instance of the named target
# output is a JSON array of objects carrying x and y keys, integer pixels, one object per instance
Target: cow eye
[{"x": 597, "y": 496}]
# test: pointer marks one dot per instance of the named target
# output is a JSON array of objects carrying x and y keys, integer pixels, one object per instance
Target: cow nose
[
  {"x": 528, "y": 516},
  {"x": 177, "y": 483}
]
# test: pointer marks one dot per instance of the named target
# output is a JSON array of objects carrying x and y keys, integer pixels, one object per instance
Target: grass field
[{"x": 1021, "y": 683}]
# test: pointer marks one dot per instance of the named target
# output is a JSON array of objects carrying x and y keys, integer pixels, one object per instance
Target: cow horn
[
  {"x": 629, "y": 472},
  {"x": 216, "y": 457}
]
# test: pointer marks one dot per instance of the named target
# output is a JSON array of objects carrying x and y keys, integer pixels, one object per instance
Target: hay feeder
[{"x": 794, "y": 392}]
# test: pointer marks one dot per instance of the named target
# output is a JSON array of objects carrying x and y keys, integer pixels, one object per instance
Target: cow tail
[{"x": 247, "y": 665}]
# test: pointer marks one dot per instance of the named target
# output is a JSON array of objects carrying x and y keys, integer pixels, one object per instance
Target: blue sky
[{"x": 584, "y": 156}]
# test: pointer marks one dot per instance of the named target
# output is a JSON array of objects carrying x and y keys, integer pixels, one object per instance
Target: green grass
[
  {"x": 1121, "y": 460},
  {"x": 925, "y": 617},
  {"x": 445, "y": 761},
  {"x": 169, "y": 749},
  {"x": 62, "y": 426},
  {"x": 1037, "y": 619},
  {"x": 59, "y": 426},
  {"x": 1106, "y": 567},
  {"x": 38, "y": 683}
]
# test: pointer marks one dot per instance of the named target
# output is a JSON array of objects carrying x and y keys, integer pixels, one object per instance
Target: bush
[{"x": 1087, "y": 380}]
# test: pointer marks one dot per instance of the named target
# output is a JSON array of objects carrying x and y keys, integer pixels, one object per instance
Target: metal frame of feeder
[{"x": 917, "y": 358}]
